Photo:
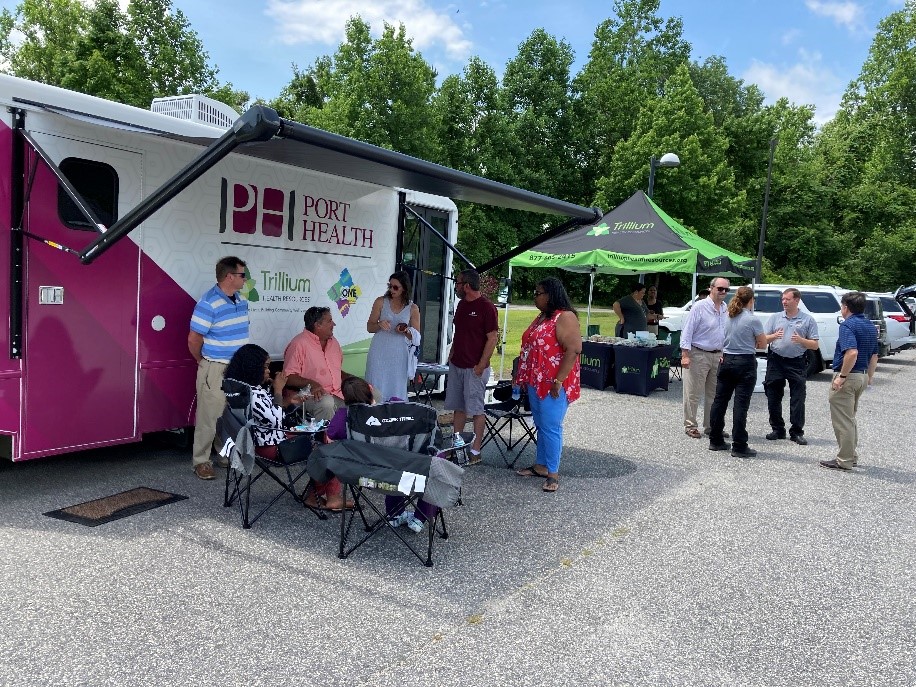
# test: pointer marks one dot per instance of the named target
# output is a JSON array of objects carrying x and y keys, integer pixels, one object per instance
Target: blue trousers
[{"x": 548, "y": 416}]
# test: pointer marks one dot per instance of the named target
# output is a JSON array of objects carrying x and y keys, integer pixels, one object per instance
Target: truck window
[
  {"x": 820, "y": 302},
  {"x": 97, "y": 183}
]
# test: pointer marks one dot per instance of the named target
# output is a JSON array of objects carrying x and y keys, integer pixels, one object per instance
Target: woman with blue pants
[{"x": 549, "y": 368}]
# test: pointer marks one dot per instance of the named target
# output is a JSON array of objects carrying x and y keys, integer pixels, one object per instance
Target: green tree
[
  {"x": 701, "y": 192},
  {"x": 149, "y": 51},
  {"x": 631, "y": 57},
  {"x": 868, "y": 156},
  {"x": 378, "y": 91}
]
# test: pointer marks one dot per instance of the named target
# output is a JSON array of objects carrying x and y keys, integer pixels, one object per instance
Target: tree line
[{"x": 842, "y": 195}]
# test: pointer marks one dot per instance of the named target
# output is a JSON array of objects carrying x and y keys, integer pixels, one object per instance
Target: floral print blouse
[{"x": 541, "y": 356}]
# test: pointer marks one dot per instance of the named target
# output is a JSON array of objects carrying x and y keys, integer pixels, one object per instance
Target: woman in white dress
[{"x": 393, "y": 317}]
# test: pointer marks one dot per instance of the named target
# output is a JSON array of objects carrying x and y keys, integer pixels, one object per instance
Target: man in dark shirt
[
  {"x": 476, "y": 327},
  {"x": 854, "y": 363}
]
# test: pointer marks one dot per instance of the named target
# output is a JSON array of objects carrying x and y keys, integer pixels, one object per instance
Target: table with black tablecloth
[
  {"x": 641, "y": 369},
  {"x": 596, "y": 365}
]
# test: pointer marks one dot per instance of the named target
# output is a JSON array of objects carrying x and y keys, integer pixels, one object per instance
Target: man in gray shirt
[{"x": 791, "y": 334}]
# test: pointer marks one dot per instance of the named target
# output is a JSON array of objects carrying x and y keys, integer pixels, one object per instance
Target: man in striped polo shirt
[{"x": 219, "y": 327}]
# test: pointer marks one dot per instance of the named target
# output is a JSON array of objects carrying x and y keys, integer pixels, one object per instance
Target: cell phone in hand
[{"x": 402, "y": 328}]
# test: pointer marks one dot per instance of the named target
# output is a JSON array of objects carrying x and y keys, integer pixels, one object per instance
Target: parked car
[
  {"x": 820, "y": 301},
  {"x": 874, "y": 311},
  {"x": 899, "y": 322}
]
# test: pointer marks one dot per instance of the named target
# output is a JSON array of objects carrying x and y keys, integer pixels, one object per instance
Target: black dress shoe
[
  {"x": 832, "y": 464},
  {"x": 745, "y": 453},
  {"x": 774, "y": 435},
  {"x": 719, "y": 447},
  {"x": 799, "y": 439}
]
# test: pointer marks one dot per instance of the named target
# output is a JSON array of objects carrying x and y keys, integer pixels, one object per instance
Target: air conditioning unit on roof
[{"x": 196, "y": 108}]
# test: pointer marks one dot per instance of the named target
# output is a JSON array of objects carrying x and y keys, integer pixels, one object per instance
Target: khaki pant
[
  {"x": 700, "y": 381},
  {"x": 210, "y": 403},
  {"x": 844, "y": 403}
]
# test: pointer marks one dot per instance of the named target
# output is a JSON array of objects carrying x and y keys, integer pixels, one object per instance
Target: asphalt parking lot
[{"x": 657, "y": 562}]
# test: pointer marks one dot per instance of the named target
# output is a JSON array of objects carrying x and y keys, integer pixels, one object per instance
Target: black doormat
[{"x": 115, "y": 507}]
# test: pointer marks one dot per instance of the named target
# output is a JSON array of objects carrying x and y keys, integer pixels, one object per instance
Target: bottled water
[
  {"x": 516, "y": 393},
  {"x": 458, "y": 440}
]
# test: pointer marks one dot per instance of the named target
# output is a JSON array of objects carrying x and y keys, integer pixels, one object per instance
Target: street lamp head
[{"x": 669, "y": 160}]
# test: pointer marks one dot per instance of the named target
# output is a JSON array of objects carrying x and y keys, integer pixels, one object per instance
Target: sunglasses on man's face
[{"x": 722, "y": 289}]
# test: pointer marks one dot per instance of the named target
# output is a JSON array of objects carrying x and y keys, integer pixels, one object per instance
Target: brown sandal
[
  {"x": 693, "y": 433},
  {"x": 551, "y": 485},
  {"x": 530, "y": 472}
]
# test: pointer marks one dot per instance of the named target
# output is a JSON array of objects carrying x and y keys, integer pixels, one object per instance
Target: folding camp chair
[
  {"x": 506, "y": 412},
  {"x": 246, "y": 467},
  {"x": 674, "y": 362},
  {"x": 390, "y": 451}
]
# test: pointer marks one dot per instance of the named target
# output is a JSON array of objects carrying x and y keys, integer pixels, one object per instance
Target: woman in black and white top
[{"x": 251, "y": 365}]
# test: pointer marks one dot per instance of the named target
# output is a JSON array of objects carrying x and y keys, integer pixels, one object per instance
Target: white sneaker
[
  {"x": 402, "y": 519},
  {"x": 414, "y": 524}
]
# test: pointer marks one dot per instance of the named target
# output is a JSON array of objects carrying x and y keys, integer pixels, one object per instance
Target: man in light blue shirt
[
  {"x": 219, "y": 327},
  {"x": 791, "y": 334},
  {"x": 701, "y": 352}
]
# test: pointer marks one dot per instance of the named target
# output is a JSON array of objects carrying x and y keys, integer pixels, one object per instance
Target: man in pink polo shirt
[{"x": 313, "y": 359}]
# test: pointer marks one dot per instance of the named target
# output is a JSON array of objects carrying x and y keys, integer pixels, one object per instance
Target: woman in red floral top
[{"x": 549, "y": 368}]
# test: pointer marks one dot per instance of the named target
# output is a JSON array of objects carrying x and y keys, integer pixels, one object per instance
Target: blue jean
[{"x": 548, "y": 416}]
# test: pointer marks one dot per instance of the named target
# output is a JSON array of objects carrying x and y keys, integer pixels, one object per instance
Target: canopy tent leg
[
  {"x": 502, "y": 343},
  {"x": 693, "y": 288},
  {"x": 591, "y": 286}
]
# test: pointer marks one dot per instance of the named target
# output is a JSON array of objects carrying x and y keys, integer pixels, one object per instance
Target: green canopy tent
[{"x": 636, "y": 237}]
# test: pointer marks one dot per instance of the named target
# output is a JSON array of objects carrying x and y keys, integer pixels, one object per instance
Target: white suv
[
  {"x": 898, "y": 322},
  {"x": 821, "y": 302}
]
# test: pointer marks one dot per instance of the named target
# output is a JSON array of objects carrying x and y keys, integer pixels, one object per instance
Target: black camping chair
[
  {"x": 390, "y": 450},
  {"x": 506, "y": 412},
  {"x": 246, "y": 467},
  {"x": 674, "y": 362}
]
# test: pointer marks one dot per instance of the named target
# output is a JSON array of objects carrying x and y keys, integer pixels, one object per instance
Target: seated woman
[
  {"x": 251, "y": 365},
  {"x": 356, "y": 390}
]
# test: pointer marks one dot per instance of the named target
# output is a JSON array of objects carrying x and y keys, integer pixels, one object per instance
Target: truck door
[
  {"x": 426, "y": 256},
  {"x": 80, "y": 321}
]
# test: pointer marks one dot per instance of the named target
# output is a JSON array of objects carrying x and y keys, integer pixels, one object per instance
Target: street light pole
[
  {"x": 667, "y": 160},
  {"x": 763, "y": 219}
]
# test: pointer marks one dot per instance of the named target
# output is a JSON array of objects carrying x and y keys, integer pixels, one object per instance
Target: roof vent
[{"x": 196, "y": 108}]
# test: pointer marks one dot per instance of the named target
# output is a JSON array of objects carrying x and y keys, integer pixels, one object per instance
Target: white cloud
[
  {"x": 323, "y": 21},
  {"x": 791, "y": 36},
  {"x": 806, "y": 82},
  {"x": 848, "y": 14}
]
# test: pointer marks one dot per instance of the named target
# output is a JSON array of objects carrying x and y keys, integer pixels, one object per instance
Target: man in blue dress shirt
[{"x": 854, "y": 363}]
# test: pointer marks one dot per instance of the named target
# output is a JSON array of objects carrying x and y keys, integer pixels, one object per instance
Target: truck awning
[{"x": 262, "y": 134}]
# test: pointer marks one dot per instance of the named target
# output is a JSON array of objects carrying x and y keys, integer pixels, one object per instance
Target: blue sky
[{"x": 805, "y": 50}]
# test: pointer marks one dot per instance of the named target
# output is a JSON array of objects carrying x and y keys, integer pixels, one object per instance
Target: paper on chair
[{"x": 411, "y": 481}]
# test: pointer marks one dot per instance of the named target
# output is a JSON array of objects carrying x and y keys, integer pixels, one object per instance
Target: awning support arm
[
  {"x": 257, "y": 124},
  {"x": 65, "y": 184},
  {"x": 540, "y": 238},
  {"x": 442, "y": 238}
]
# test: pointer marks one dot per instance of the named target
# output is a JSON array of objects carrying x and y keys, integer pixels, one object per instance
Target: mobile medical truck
[{"x": 113, "y": 217}]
